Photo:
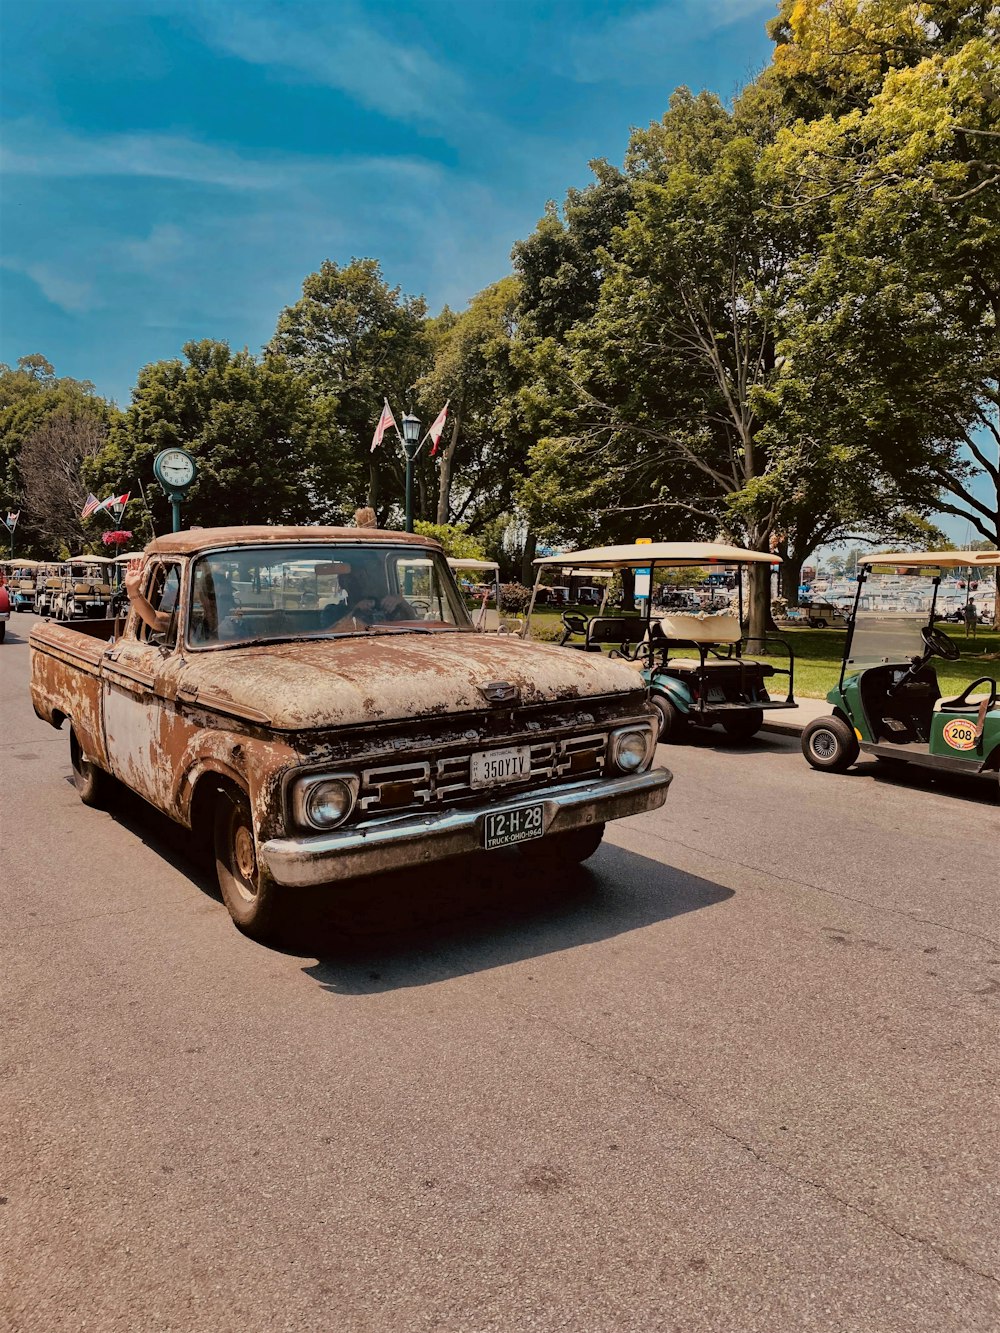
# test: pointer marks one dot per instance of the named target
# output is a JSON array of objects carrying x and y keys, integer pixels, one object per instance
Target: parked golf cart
[
  {"x": 888, "y": 702},
  {"x": 21, "y": 584},
  {"x": 712, "y": 681}
]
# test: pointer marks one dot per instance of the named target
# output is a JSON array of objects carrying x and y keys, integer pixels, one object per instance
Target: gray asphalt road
[{"x": 743, "y": 1076}]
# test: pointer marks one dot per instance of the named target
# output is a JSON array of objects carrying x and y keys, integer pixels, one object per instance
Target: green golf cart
[
  {"x": 888, "y": 702},
  {"x": 692, "y": 660}
]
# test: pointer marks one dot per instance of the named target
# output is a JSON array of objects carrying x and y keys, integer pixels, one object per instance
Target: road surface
[{"x": 741, "y": 1075}]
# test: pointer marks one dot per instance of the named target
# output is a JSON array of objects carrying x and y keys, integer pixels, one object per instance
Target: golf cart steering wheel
[{"x": 939, "y": 644}]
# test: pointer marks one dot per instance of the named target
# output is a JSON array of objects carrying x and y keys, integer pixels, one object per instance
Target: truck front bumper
[{"x": 397, "y": 842}]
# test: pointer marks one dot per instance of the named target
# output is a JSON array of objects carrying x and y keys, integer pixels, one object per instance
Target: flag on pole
[
  {"x": 434, "y": 434},
  {"x": 92, "y": 504},
  {"x": 12, "y": 516},
  {"x": 384, "y": 422},
  {"x": 113, "y": 502}
]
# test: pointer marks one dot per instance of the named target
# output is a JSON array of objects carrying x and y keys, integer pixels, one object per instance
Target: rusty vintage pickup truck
[{"x": 315, "y": 705}]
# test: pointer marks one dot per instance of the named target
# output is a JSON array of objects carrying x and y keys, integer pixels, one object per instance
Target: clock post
[{"x": 176, "y": 471}]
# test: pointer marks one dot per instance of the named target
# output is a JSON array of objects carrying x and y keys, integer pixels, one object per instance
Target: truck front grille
[{"x": 446, "y": 780}]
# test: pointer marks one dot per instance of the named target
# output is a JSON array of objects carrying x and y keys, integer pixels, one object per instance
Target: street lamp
[{"x": 411, "y": 443}]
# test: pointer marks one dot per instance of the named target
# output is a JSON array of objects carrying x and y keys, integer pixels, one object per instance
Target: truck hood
[{"x": 389, "y": 678}]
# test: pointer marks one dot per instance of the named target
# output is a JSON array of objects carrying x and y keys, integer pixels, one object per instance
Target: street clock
[{"x": 176, "y": 471}]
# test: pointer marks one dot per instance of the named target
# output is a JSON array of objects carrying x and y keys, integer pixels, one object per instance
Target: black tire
[
  {"x": 830, "y": 744},
  {"x": 95, "y": 787},
  {"x": 3, "y": 630},
  {"x": 673, "y": 723},
  {"x": 247, "y": 890},
  {"x": 741, "y": 726},
  {"x": 562, "y": 851}
]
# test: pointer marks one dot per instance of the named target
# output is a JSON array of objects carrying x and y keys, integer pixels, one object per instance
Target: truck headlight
[
  {"x": 323, "y": 802},
  {"x": 631, "y": 749}
]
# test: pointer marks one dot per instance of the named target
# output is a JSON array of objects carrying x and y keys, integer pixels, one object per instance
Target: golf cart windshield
[{"x": 896, "y": 603}]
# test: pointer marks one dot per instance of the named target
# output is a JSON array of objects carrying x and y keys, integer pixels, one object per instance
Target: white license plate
[
  {"x": 489, "y": 768},
  {"x": 505, "y": 827},
  {"x": 716, "y": 696}
]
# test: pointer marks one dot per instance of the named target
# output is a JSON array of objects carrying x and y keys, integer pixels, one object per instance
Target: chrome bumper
[{"x": 413, "y": 839}]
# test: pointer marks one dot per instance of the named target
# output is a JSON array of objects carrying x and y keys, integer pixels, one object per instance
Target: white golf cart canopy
[
  {"x": 676, "y": 555},
  {"x": 89, "y": 560},
  {"x": 468, "y": 565},
  {"x": 931, "y": 559}
]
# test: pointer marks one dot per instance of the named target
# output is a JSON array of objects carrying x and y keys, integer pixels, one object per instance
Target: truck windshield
[{"x": 290, "y": 592}]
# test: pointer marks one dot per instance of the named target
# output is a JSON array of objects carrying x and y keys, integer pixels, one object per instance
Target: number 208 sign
[{"x": 960, "y": 735}]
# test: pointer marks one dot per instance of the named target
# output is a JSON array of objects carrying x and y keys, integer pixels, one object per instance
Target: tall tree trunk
[
  {"x": 444, "y": 470},
  {"x": 760, "y": 607},
  {"x": 527, "y": 556},
  {"x": 628, "y": 589},
  {"x": 373, "y": 485},
  {"x": 791, "y": 577}
]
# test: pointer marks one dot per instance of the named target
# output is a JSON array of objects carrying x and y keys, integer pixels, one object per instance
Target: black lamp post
[{"x": 411, "y": 443}]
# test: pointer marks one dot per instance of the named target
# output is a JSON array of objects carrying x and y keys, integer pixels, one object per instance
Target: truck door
[{"x": 139, "y": 687}]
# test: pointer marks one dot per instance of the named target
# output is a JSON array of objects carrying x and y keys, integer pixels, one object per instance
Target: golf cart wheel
[
  {"x": 3, "y": 630},
  {"x": 95, "y": 787},
  {"x": 741, "y": 726},
  {"x": 247, "y": 890},
  {"x": 673, "y": 723},
  {"x": 830, "y": 744}
]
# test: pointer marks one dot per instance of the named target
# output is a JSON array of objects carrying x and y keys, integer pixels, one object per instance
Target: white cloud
[
  {"x": 70, "y": 294},
  {"x": 28, "y": 150},
  {"x": 334, "y": 46},
  {"x": 633, "y": 48}
]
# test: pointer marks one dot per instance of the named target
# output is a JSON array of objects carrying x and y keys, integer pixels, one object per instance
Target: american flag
[
  {"x": 92, "y": 504},
  {"x": 12, "y": 518},
  {"x": 435, "y": 431},
  {"x": 384, "y": 422}
]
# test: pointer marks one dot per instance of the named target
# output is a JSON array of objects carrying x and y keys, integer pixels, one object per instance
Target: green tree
[
  {"x": 356, "y": 340},
  {"x": 455, "y": 539},
  {"x": 31, "y": 393},
  {"x": 898, "y": 176},
  {"x": 268, "y": 450},
  {"x": 485, "y": 445}
]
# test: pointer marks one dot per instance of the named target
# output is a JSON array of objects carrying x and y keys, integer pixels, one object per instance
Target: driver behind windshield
[{"x": 367, "y": 602}]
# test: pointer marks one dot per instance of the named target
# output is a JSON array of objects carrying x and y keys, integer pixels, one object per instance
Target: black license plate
[{"x": 506, "y": 827}]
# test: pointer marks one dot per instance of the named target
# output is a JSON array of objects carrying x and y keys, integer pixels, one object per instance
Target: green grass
[{"x": 818, "y": 653}]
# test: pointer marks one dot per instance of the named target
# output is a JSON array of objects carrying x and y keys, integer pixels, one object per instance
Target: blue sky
[{"x": 172, "y": 169}]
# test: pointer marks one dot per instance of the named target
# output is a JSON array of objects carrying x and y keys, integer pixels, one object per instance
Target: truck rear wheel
[
  {"x": 247, "y": 890},
  {"x": 95, "y": 787},
  {"x": 830, "y": 744}
]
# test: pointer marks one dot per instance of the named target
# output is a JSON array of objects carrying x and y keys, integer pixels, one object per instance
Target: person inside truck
[
  {"x": 365, "y": 605},
  {"x": 213, "y": 613}
]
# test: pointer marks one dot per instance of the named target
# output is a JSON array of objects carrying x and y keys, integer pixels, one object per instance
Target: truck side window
[{"x": 163, "y": 591}]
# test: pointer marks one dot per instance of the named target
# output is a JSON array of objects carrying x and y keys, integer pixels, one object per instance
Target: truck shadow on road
[
  {"x": 416, "y": 928},
  {"x": 457, "y": 917}
]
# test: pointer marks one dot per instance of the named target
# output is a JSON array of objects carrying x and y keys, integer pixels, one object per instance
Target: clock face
[{"x": 176, "y": 468}]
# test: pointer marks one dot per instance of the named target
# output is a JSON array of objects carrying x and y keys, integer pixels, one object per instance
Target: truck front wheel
[
  {"x": 247, "y": 890},
  {"x": 560, "y": 851}
]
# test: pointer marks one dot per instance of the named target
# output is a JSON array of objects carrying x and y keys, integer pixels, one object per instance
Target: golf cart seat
[
  {"x": 693, "y": 664},
  {"x": 967, "y": 701},
  {"x": 601, "y": 629}
]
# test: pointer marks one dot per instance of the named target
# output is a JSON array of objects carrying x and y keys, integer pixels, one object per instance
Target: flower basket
[{"x": 116, "y": 539}]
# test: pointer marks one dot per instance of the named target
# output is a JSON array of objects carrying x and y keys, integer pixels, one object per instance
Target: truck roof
[{"x": 204, "y": 539}]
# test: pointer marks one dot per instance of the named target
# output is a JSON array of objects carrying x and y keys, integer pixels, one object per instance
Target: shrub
[{"x": 514, "y": 597}]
